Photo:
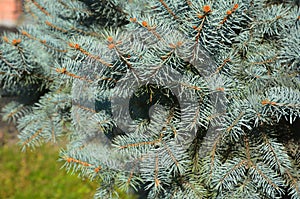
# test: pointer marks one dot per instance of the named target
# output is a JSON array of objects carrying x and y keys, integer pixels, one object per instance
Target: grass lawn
[{"x": 37, "y": 174}]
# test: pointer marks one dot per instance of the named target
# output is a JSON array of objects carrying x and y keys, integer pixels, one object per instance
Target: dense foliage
[{"x": 174, "y": 98}]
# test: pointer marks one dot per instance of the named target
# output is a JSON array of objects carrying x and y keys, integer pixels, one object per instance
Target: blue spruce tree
[{"x": 173, "y": 98}]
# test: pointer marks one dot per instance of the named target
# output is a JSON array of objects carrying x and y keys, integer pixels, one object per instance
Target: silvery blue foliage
[{"x": 180, "y": 99}]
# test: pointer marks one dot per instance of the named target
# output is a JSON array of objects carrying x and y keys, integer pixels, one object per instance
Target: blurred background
[
  {"x": 32, "y": 174},
  {"x": 10, "y": 14}
]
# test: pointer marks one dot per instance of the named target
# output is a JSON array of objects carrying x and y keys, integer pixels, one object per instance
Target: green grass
[{"x": 37, "y": 174}]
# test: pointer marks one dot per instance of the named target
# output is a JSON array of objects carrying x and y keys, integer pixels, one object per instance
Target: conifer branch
[
  {"x": 168, "y": 9},
  {"x": 176, "y": 99}
]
